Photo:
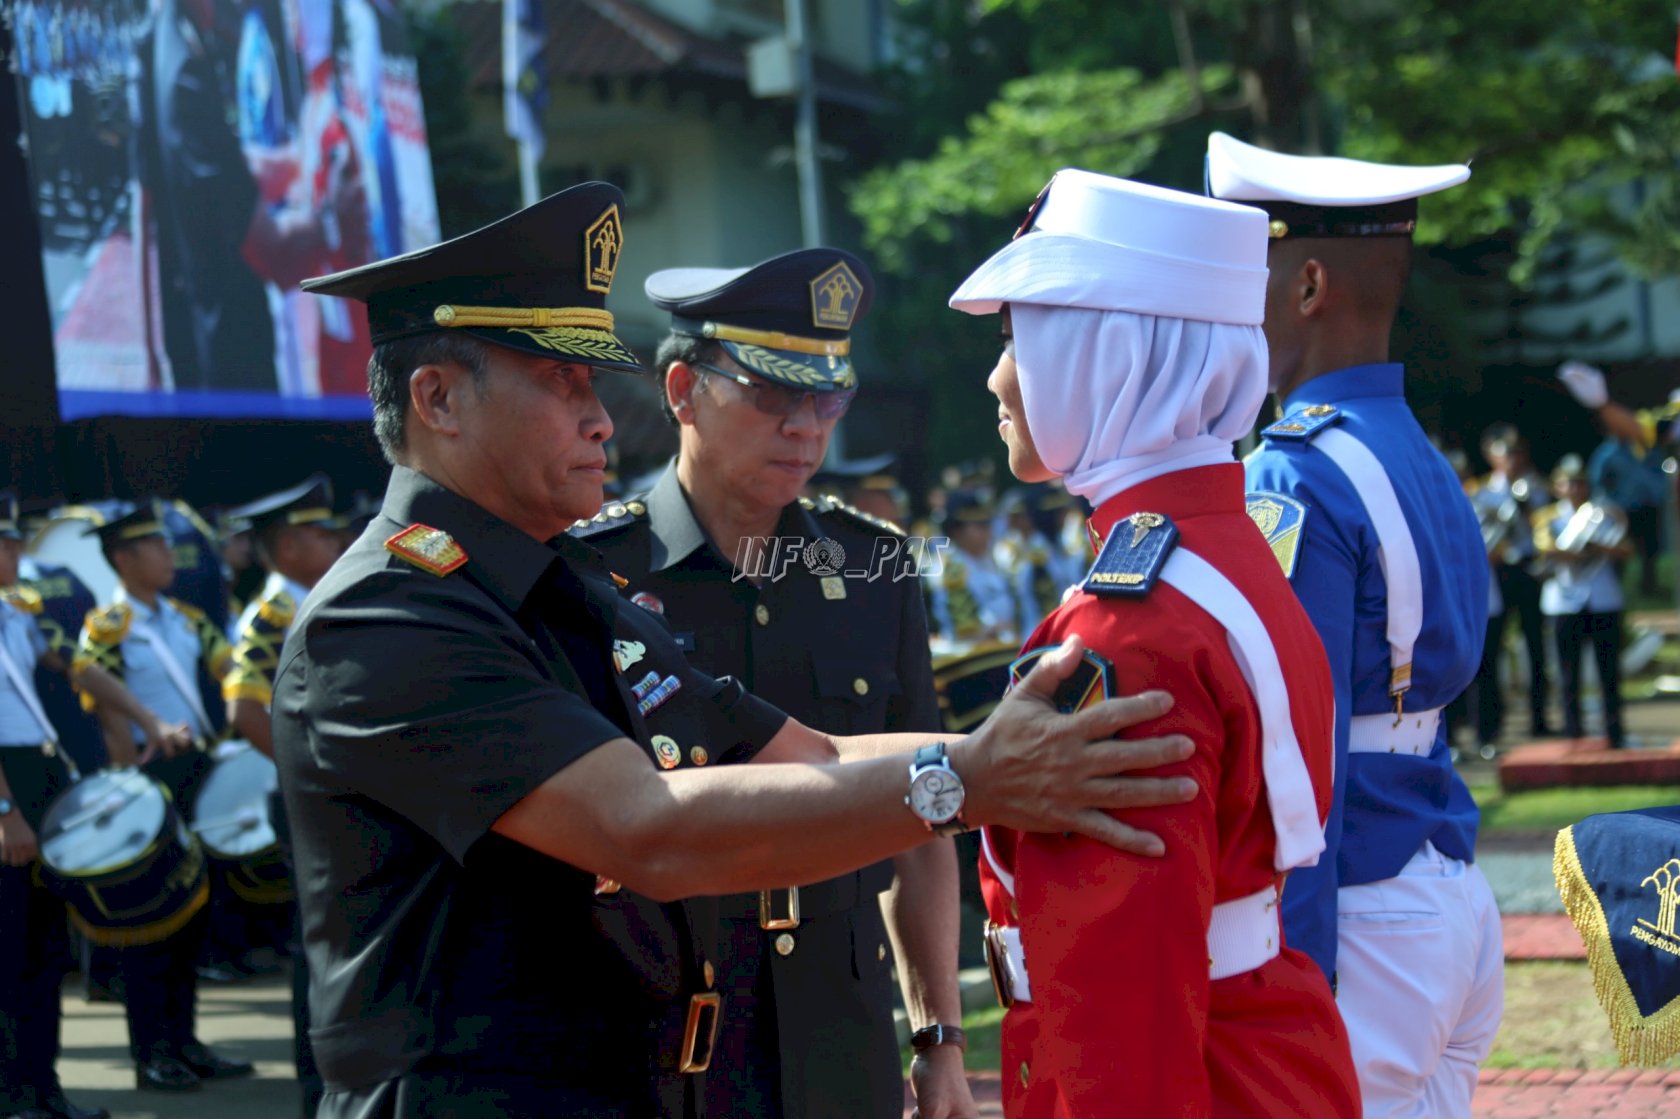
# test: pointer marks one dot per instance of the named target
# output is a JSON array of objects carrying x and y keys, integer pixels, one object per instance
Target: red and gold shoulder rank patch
[{"x": 429, "y": 549}]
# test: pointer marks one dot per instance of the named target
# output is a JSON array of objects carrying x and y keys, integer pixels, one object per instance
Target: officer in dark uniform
[
  {"x": 480, "y": 808},
  {"x": 756, "y": 374}
]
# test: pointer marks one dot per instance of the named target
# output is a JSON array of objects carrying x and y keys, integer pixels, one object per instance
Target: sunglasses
[{"x": 781, "y": 400}]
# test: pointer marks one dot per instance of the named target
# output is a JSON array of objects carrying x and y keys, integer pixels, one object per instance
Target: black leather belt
[{"x": 786, "y": 906}]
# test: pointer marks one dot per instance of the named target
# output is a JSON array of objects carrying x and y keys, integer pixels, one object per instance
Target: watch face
[{"x": 936, "y": 795}]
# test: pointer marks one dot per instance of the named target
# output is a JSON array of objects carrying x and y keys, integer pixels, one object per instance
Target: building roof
[{"x": 592, "y": 39}]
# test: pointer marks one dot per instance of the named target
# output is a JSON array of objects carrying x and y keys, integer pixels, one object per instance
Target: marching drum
[
  {"x": 231, "y": 817},
  {"x": 971, "y": 683},
  {"x": 115, "y": 849},
  {"x": 64, "y": 541}
]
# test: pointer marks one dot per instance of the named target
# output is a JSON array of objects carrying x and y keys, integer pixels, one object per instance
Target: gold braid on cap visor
[
  {"x": 510, "y": 318},
  {"x": 776, "y": 340}
]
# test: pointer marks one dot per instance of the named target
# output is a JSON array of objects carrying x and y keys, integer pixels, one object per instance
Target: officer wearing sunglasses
[{"x": 756, "y": 372}]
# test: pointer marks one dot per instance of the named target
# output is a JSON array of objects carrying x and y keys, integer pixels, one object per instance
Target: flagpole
[{"x": 527, "y": 174}]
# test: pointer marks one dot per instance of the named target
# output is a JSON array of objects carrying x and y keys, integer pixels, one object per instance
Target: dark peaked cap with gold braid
[
  {"x": 788, "y": 319},
  {"x": 535, "y": 281}
]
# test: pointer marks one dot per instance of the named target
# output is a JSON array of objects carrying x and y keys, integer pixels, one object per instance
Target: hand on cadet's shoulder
[{"x": 1033, "y": 769}]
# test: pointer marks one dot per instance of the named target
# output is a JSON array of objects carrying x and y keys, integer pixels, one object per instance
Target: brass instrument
[
  {"x": 1590, "y": 524},
  {"x": 1497, "y": 522}
]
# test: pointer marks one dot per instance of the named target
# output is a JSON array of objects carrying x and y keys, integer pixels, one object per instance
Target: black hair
[
  {"x": 686, "y": 348},
  {"x": 394, "y": 362}
]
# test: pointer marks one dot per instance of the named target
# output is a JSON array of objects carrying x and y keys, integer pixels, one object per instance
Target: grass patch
[
  {"x": 983, "y": 1028},
  {"x": 1552, "y": 1020},
  {"x": 1550, "y": 809}
]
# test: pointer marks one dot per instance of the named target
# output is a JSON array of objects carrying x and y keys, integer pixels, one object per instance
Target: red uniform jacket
[{"x": 1125, "y": 1020}]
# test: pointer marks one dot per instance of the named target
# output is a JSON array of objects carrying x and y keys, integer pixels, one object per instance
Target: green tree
[{"x": 1567, "y": 112}]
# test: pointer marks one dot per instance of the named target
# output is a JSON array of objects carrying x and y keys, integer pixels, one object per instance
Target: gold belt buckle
[
  {"x": 997, "y": 965},
  {"x": 700, "y": 1032},
  {"x": 766, "y": 909}
]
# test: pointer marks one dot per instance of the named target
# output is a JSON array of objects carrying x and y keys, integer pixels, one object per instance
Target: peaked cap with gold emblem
[
  {"x": 144, "y": 520},
  {"x": 787, "y": 319},
  {"x": 308, "y": 502},
  {"x": 535, "y": 281}
]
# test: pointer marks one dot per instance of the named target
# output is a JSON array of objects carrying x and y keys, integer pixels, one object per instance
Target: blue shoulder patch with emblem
[
  {"x": 1299, "y": 427},
  {"x": 1132, "y": 557},
  {"x": 1280, "y": 520}
]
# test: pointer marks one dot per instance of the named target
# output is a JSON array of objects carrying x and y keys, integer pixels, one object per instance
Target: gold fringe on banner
[{"x": 1640, "y": 1040}]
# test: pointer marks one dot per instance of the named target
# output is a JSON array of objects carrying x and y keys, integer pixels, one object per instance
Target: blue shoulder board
[
  {"x": 1132, "y": 558},
  {"x": 1303, "y": 425},
  {"x": 1280, "y": 519}
]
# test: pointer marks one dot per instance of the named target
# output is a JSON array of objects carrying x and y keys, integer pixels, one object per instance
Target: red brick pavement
[
  {"x": 1541, "y": 936},
  {"x": 1510, "y": 1094},
  {"x": 1586, "y": 761}
]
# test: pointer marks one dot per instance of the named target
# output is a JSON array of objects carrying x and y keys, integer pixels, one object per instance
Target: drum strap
[
  {"x": 153, "y": 637},
  {"x": 26, "y": 689}
]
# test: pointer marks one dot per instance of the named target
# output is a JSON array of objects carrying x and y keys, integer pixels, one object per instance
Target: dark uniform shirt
[
  {"x": 452, "y": 970},
  {"x": 844, "y": 655}
]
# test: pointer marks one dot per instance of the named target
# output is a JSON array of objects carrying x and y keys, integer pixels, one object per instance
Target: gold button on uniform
[
  {"x": 1023, "y": 1074},
  {"x": 860, "y": 686},
  {"x": 698, "y": 755},
  {"x": 880, "y": 951},
  {"x": 636, "y": 507},
  {"x": 762, "y": 613},
  {"x": 784, "y": 944},
  {"x": 708, "y": 973}
]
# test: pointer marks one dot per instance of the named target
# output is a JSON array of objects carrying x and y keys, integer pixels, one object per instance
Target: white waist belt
[
  {"x": 1243, "y": 935},
  {"x": 1378, "y": 734}
]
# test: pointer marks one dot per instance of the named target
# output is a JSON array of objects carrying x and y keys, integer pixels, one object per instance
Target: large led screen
[{"x": 191, "y": 161}]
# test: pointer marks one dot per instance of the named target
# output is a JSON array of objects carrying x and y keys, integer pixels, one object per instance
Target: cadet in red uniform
[{"x": 1161, "y": 987}]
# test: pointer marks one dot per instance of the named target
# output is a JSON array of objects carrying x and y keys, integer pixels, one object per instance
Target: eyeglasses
[{"x": 781, "y": 400}]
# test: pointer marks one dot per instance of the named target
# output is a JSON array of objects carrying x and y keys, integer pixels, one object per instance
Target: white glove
[{"x": 1585, "y": 383}]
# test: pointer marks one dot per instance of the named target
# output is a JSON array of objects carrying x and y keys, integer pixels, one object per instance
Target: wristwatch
[
  {"x": 936, "y": 791},
  {"x": 6, "y": 807},
  {"x": 929, "y": 1036}
]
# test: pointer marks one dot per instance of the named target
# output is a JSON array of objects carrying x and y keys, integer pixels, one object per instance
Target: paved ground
[{"x": 253, "y": 1020}]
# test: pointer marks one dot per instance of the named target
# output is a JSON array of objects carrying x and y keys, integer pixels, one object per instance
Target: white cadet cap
[
  {"x": 1110, "y": 244},
  {"x": 1324, "y": 196}
]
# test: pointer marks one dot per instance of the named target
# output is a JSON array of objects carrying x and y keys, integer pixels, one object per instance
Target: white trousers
[{"x": 1420, "y": 974}]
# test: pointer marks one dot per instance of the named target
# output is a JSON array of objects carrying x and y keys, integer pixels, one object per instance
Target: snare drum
[
  {"x": 115, "y": 849},
  {"x": 231, "y": 818}
]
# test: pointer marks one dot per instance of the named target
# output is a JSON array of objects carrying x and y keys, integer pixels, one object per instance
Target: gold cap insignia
[
  {"x": 602, "y": 242},
  {"x": 1277, "y": 229},
  {"x": 834, "y": 297},
  {"x": 429, "y": 549}
]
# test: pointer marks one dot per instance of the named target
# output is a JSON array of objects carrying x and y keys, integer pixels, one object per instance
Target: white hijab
[{"x": 1114, "y": 398}]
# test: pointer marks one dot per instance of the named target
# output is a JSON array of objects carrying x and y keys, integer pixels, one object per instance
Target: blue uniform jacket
[{"x": 1386, "y": 805}]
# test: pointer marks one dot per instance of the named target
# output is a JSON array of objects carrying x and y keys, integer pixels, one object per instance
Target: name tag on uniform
[{"x": 685, "y": 641}]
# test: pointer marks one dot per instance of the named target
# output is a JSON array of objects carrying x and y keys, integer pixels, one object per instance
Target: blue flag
[
  {"x": 524, "y": 85},
  {"x": 1619, "y": 875}
]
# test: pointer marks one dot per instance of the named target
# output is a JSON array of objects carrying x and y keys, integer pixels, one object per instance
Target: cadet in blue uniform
[
  {"x": 1384, "y": 551},
  {"x": 756, "y": 373},
  {"x": 34, "y": 945},
  {"x": 969, "y": 597},
  {"x": 296, "y": 540},
  {"x": 170, "y": 655},
  {"x": 486, "y": 827}
]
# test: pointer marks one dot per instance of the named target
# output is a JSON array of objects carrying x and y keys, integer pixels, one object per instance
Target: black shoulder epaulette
[
  {"x": 613, "y": 515},
  {"x": 1300, "y": 427},
  {"x": 1132, "y": 557},
  {"x": 828, "y": 503}
]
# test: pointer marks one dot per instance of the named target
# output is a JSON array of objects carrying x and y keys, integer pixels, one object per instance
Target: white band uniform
[{"x": 1243, "y": 933}]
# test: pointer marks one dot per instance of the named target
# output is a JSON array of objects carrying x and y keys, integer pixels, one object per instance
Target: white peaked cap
[
  {"x": 1108, "y": 244},
  {"x": 1245, "y": 173}
]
